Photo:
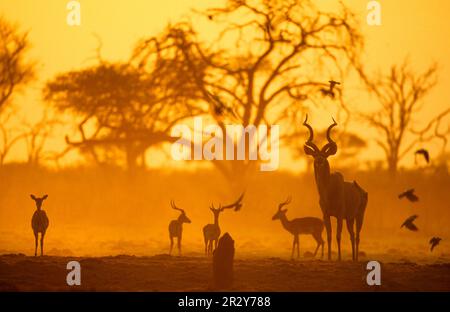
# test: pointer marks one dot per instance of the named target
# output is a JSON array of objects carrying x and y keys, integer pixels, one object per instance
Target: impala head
[
  {"x": 320, "y": 155},
  {"x": 38, "y": 200},
  {"x": 281, "y": 212},
  {"x": 183, "y": 217},
  {"x": 236, "y": 205}
]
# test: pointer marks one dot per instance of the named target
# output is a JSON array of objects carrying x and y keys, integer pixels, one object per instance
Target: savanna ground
[{"x": 116, "y": 227}]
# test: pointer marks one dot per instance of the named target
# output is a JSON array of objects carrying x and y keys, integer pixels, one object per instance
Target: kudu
[
  {"x": 339, "y": 199},
  {"x": 176, "y": 227},
  {"x": 39, "y": 222},
  {"x": 307, "y": 225},
  {"x": 211, "y": 232}
]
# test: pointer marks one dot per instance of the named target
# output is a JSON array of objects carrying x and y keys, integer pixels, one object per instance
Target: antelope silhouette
[
  {"x": 39, "y": 222},
  {"x": 339, "y": 199},
  {"x": 176, "y": 227},
  {"x": 211, "y": 232},
  {"x": 307, "y": 225}
]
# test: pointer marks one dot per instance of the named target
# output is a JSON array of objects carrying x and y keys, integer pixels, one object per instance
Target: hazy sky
[{"x": 414, "y": 28}]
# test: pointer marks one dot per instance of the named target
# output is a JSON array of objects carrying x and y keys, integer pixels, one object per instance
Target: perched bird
[
  {"x": 424, "y": 153},
  {"x": 220, "y": 108},
  {"x": 434, "y": 242},
  {"x": 333, "y": 84},
  {"x": 409, "y": 194},
  {"x": 329, "y": 91},
  {"x": 409, "y": 223}
]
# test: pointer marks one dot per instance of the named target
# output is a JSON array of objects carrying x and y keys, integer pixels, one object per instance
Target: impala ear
[
  {"x": 33, "y": 197},
  {"x": 45, "y": 196}
]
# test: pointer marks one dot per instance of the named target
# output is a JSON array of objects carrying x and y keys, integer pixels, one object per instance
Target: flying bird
[
  {"x": 409, "y": 223},
  {"x": 409, "y": 194},
  {"x": 424, "y": 153},
  {"x": 434, "y": 242},
  {"x": 329, "y": 91}
]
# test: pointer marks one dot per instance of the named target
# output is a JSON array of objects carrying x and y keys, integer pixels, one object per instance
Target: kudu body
[
  {"x": 297, "y": 226},
  {"x": 211, "y": 232},
  {"x": 176, "y": 227},
  {"x": 39, "y": 222},
  {"x": 339, "y": 199}
]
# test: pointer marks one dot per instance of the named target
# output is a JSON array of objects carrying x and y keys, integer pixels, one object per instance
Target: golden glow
[{"x": 412, "y": 28}]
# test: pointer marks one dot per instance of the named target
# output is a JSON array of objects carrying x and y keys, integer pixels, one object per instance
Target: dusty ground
[{"x": 165, "y": 273}]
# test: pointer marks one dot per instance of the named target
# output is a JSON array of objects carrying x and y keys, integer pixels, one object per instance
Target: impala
[
  {"x": 307, "y": 225},
  {"x": 176, "y": 227},
  {"x": 211, "y": 232},
  {"x": 39, "y": 222}
]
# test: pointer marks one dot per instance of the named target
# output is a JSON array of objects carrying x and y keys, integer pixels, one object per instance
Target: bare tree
[
  {"x": 271, "y": 58},
  {"x": 14, "y": 70},
  {"x": 36, "y": 136},
  {"x": 400, "y": 94},
  {"x": 9, "y": 135},
  {"x": 121, "y": 108}
]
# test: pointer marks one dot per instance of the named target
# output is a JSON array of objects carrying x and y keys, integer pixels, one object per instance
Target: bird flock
[{"x": 409, "y": 222}]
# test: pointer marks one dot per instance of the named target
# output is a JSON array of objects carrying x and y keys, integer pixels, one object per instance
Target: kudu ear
[
  {"x": 309, "y": 150},
  {"x": 329, "y": 149}
]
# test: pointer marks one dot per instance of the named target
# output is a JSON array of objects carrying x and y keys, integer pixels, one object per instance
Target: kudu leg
[
  {"x": 338, "y": 237},
  {"x": 358, "y": 229},
  {"x": 327, "y": 222},
  {"x": 351, "y": 231}
]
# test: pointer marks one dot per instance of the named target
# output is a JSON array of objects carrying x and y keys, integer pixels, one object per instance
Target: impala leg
[
  {"x": 351, "y": 231},
  {"x": 327, "y": 222},
  {"x": 179, "y": 245},
  {"x": 293, "y": 248},
  {"x": 35, "y": 243},
  {"x": 298, "y": 246},
  {"x": 42, "y": 243},
  {"x": 319, "y": 241},
  {"x": 171, "y": 245},
  {"x": 338, "y": 237}
]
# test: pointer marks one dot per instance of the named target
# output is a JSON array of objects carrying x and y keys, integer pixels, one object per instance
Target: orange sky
[{"x": 414, "y": 28}]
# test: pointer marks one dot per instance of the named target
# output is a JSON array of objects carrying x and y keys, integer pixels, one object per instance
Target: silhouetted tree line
[{"x": 268, "y": 64}]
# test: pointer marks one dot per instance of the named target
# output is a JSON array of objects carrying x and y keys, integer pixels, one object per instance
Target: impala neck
[
  {"x": 216, "y": 219},
  {"x": 322, "y": 175},
  {"x": 285, "y": 222}
]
